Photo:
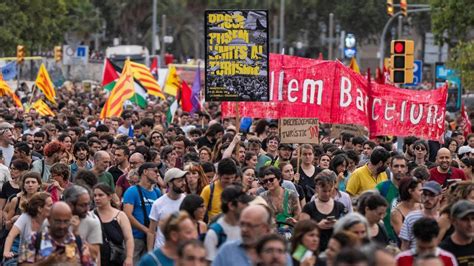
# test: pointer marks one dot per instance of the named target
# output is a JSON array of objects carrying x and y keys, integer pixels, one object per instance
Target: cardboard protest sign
[
  {"x": 236, "y": 55},
  {"x": 299, "y": 130}
]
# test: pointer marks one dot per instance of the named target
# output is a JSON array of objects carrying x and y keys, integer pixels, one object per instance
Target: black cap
[{"x": 285, "y": 146}]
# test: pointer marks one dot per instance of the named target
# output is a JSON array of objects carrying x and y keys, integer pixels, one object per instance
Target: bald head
[
  {"x": 443, "y": 160},
  {"x": 60, "y": 208},
  {"x": 100, "y": 155},
  {"x": 101, "y": 161},
  {"x": 255, "y": 221},
  {"x": 136, "y": 160}
]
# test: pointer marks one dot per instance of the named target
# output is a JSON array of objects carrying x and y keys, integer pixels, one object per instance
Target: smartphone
[
  {"x": 301, "y": 253},
  {"x": 331, "y": 218}
]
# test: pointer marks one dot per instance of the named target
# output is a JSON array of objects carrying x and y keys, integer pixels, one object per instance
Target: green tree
[
  {"x": 452, "y": 20},
  {"x": 461, "y": 58}
]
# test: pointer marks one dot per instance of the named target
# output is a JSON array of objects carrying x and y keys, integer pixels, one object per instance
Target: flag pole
[{"x": 32, "y": 95}]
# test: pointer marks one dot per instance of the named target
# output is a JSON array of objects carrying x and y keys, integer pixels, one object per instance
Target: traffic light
[
  {"x": 390, "y": 7},
  {"x": 20, "y": 54},
  {"x": 58, "y": 54},
  {"x": 404, "y": 7},
  {"x": 402, "y": 61}
]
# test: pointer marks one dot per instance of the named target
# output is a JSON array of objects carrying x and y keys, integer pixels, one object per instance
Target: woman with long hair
[
  {"x": 306, "y": 234},
  {"x": 250, "y": 159},
  {"x": 35, "y": 211},
  {"x": 30, "y": 184},
  {"x": 249, "y": 180},
  {"x": 410, "y": 199},
  {"x": 288, "y": 173},
  {"x": 467, "y": 165},
  {"x": 194, "y": 206},
  {"x": 452, "y": 146},
  {"x": 354, "y": 223},
  {"x": 421, "y": 150},
  {"x": 157, "y": 140},
  {"x": 118, "y": 243},
  {"x": 373, "y": 207},
  {"x": 17, "y": 168},
  {"x": 338, "y": 165},
  {"x": 196, "y": 180}
]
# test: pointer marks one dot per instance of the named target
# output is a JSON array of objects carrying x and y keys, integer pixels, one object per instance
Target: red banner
[{"x": 333, "y": 93}]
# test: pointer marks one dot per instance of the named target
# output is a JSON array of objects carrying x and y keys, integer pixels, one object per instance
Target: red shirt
[
  {"x": 407, "y": 258},
  {"x": 453, "y": 173}
]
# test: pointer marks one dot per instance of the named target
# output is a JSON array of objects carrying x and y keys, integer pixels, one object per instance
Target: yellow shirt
[
  {"x": 361, "y": 180},
  {"x": 216, "y": 198}
]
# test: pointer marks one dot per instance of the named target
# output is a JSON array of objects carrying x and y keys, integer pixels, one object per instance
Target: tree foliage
[
  {"x": 462, "y": 58},
  {"x": 452, "y": 20}
]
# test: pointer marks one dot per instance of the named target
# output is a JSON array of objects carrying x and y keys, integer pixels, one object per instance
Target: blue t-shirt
[
  {"x": 148, "y": 260},
  {"x": 132, "y": 197}
]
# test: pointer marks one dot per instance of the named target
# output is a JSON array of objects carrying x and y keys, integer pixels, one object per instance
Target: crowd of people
[{"x": 136, "y": 190}]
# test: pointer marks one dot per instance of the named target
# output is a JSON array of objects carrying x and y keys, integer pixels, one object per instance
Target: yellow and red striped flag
[
  {"x": 5, "y": 90},
  {"x": 42, "y": 108},
  {"x": 123, "y": 90},
  {"x": 354, "y": 66},
  {"x": 44, "y": 83},
  {"x": 144, "y": 76}
]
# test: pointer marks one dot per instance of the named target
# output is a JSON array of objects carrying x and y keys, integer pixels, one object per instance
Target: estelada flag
[
  {"x": 467, "y": 126},
  {"x": 44, "y": 83},
  {"x": 144, "y": 76},
  {"x": 42, "y": 108},
  {"x": 124, "y": 89},
  {"x": 5, "y": 90}
]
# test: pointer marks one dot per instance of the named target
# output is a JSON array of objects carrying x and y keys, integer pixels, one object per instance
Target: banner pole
[
  {"x": 237, "y": 117},
  {"x": 298, "y": 163}
]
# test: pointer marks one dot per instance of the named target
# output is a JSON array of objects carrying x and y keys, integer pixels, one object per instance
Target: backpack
[{"x": 221, "y": 235}]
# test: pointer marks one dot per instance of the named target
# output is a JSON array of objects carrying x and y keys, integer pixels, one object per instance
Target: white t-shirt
[
  {"x": 161, "y": 208},
  {"x": 210, "y": 242}
]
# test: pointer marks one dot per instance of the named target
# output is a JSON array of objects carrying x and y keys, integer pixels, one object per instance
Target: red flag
[
  {"x": 154, "y": 68},
  {"x": 466, "y": 123},
  {"x": 185, "y": 97},
  {"x": 320, "y": 56}
]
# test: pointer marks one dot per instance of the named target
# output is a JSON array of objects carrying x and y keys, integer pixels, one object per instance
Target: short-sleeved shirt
[
  {"x": 406, "y": 232},
  {"x": 407, "y": 257},
  {"x": 150, "y": 258},
  {"x": 48, "y": 246},
  {"x": 362, "y": 180},
  {"x": 216, "y": 198},
  {"x": 464, "y": 254},
  {"x": 90, "y": 230},
  {"x": 106, "y": 178},
  {"x": 123, "y": 183},
  {"x": 390, "y": 192},
  {"x": 132, "y": 197},
  {"x": 161, "y": 208},
  {"x": 37, "y": 166},
  {"x": 338, "y": 211},
  {"x": 441, "y": 178},
  {"x": 75, "y": 168},
  {"x": 115, "y": 172},
  {"x": 232, "y": 232}
]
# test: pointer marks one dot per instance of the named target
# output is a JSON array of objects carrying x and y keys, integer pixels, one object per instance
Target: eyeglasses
[
  {"x": 268, "y": 180},
  {"x": 420, "y": 148}
]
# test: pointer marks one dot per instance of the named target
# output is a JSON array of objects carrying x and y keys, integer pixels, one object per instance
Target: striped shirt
[{"x": 406, "y": 233}]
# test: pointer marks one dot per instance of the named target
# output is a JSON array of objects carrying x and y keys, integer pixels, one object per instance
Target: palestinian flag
[
  {"x": 110, "y": 76},
  {"x": 171, "y": 111}
]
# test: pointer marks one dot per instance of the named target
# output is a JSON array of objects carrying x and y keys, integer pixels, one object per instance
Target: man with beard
[
  {"x": 53, "y": 152},
  {"x": 461, "y": 242},
  {"x": 31, "y": 128},
  {"x": 57, "y": 245},
  {"x": 121, "y": 154},
  {"x": 444, "y": 172},
  {"x": 6, "y": 142},
  {"x": 137, "y": 202},
  {"x": 408, "y": 148},
  {"x": 431, "y": 197},
  {"x": 369, "y": 175},
  {"x": 123, "y": 183},
  {"x": 101, "y": 163},
  {"x": 80, "y": 151},
  {"x": 88, "y": 224},
  {"x": 389, "y": 189},
  {"x": 166, "y": 205},
  {"x": 39, "y": 139}
]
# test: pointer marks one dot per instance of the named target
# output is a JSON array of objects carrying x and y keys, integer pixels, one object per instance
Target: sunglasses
[
  {"x": 268, "y": 180},
  {"x": 420, "y": 148}
]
